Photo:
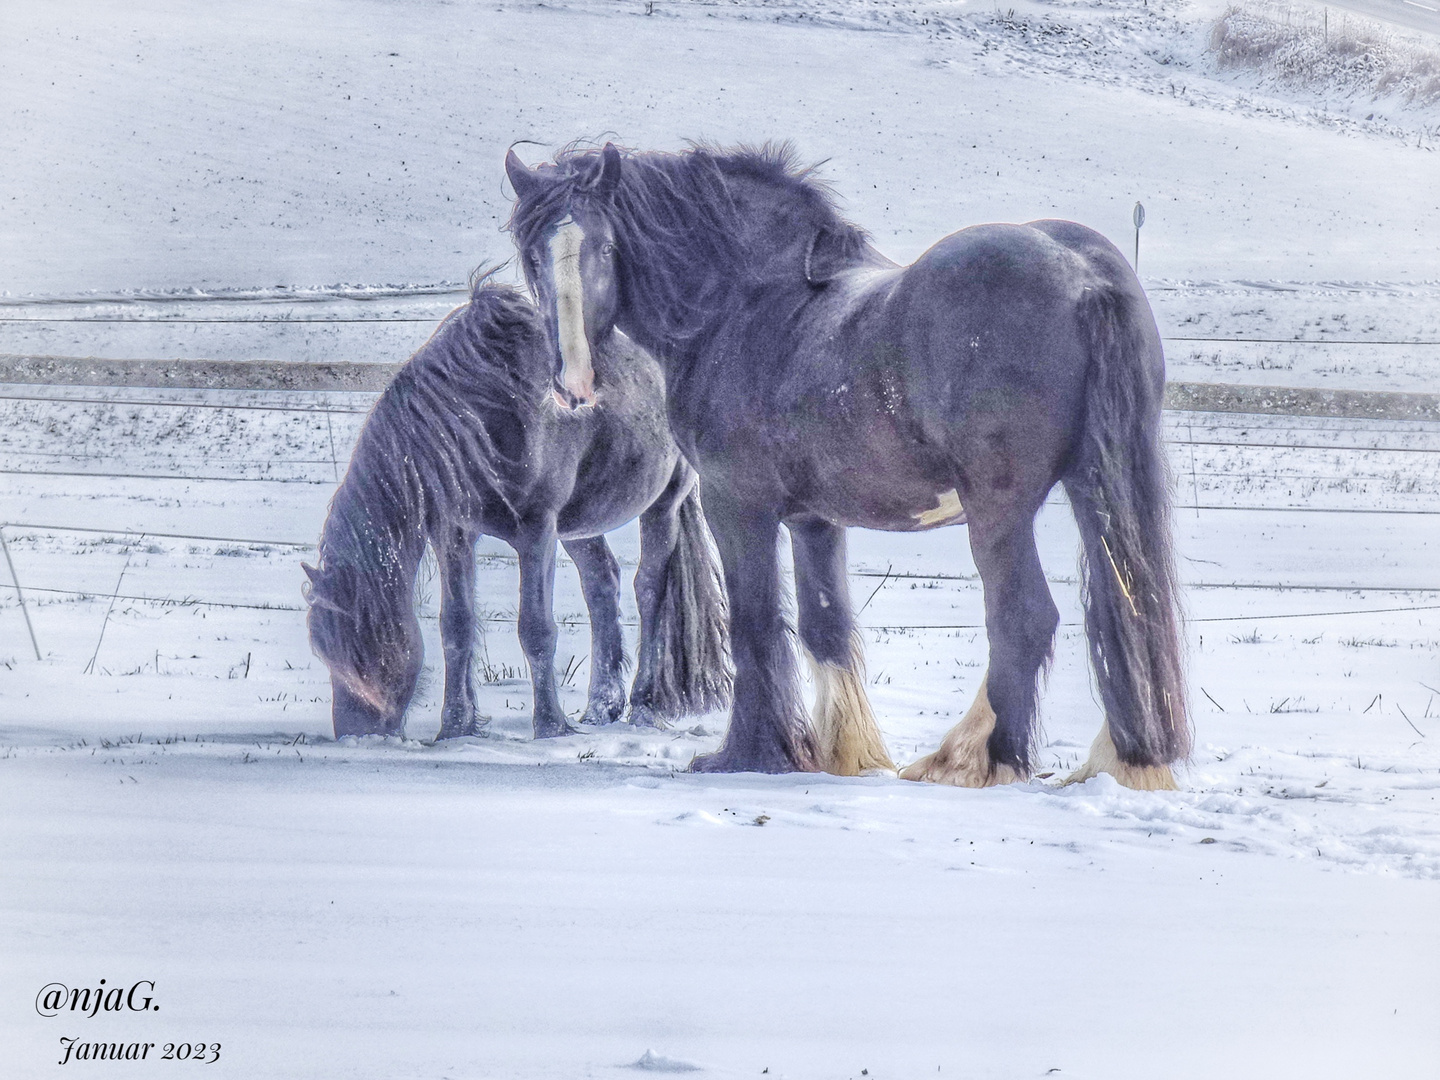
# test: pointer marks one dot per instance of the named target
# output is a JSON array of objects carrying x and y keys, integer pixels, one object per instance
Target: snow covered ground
[{"x": 175, "y": 811}]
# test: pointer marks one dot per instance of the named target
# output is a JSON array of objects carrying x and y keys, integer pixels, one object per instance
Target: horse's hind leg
[
  {"x": 535, "y": 545},
  {"x": 684, "y": 653},
  {"x": 456, "y": 555},
  {"x": 992, "y": 743},
  {"x": 659, "y": 533},
  {"x": 847, "y": 739},
  {"x": 600, "y": 580}
]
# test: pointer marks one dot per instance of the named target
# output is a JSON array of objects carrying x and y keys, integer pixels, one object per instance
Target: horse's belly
[
  {"x": 892, "y": 504},
  {"x": 607, "y": 497}
]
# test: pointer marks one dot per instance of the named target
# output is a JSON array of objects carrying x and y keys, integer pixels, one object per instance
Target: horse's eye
[{"x": 607, "y": 249}]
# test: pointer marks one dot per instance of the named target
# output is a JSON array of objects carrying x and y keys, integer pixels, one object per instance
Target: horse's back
[
  {"x": 988, "y": 340},
  {"x": 1041, "y": 273},
  {"x": 458, "y": 416},
  {"x": 496, "y": 337},
  {"x": 1011, "y": 305},
  {"x": 1024, "y": 268}
]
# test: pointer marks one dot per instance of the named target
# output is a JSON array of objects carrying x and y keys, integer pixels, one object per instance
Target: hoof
[
  {"x": 937, "y": 768},
  {"x": 725, "y": 761},
  {"x": 359, "y": 731},
  {"x": 1104, "y": 758},
  {"x": 605, "y": 706},
  {"x": 849, "y": 740},
  {"x": 599, "y": 717},
  {"x": 963, "y": 759},
  {"x": 474, "y": 726},
  {"x": 555, "y": 731},
  {"x": 646, "y": 717}
]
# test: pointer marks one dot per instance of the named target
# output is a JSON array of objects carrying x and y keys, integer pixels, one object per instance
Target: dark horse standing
[
  {"x": 468, "y": 440},
  {"x": 812, "y": 382}
]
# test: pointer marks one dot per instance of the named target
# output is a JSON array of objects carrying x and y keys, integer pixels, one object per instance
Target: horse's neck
[{"x": 366, "y": 536}]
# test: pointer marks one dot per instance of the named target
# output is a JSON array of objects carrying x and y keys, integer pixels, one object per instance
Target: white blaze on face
[{"x": 576, "y": 373}]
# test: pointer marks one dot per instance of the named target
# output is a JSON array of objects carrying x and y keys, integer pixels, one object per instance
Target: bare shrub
[{"x": 1348, "y": 55}]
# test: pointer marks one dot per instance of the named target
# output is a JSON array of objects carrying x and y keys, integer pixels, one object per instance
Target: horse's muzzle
[{"x": 570, "y": 399}]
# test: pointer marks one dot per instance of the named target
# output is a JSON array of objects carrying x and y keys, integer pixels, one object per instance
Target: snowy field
[{"x": 584, "y": 908}]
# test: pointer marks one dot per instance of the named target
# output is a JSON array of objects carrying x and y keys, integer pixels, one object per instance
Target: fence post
[
  {"x": 90, "y": 667},
  {"x": 23, "y": 609}
]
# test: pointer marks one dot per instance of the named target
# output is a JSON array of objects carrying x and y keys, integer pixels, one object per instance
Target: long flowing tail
[
  {"x": 693, "y": 673},
  {"x": 1120, "y": 491}
]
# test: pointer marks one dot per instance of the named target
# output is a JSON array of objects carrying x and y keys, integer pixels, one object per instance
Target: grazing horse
[
  {"x": 815, "y": 383},
  {"x": 468, "y": 440}
]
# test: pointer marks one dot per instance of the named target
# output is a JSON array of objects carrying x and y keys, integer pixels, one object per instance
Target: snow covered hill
[{"x": 162, "y": 146}]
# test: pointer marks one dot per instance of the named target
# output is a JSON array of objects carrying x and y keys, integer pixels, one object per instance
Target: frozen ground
[{"x": 506, "y": 909}]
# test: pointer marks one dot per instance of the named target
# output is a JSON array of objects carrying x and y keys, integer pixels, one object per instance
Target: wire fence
[
  {"x": 511, "y": 620},
  {"x": 331, "y": 410},
  {"x": 328, "y": 409},
  {"x": 162, "y": 320},
  {"x": 190, "y": 601},
  {"x": 322, "y": 410},
  {"x": 183, "y": 477},
  {"x": 193, "y": 478},
  {"x": 199, "y": 537},
  {"x": 168, "y": 320},
  {"x": 889, "y": 574}
]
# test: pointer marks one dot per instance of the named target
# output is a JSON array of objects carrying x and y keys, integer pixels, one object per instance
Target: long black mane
[
  {"x": 686, "y": 231},
  {"x": 437, "y": 440}
]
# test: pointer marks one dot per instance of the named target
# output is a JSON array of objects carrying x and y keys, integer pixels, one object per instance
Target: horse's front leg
[
  {"x": 768, "y": 729},
  {"x": 456, "y": 555},
  {"x": 848, "y": 741},
  {"x": 600, "y": 581},
  {"x": 535, "y": 545}
]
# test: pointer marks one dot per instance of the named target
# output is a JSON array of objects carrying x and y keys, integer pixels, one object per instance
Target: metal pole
[
  {"x": 23, "y": 609},
  {"x": 90, "y": 667},
  {"x": 1138, "y": 217}
]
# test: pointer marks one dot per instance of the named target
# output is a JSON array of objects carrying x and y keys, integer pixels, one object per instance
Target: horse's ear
[
  {"x": 609, "y": 172},
  {"x": 830, "y": 252},
  {"x": 315, "y": 592},
  {"x": 522, "y": 178},
  {"x": 320, "y": 600}
]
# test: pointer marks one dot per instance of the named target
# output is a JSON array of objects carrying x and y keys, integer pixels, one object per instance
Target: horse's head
[
  {"x": 567, "y": 242},
  {"x": 373, "y": 662}
]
